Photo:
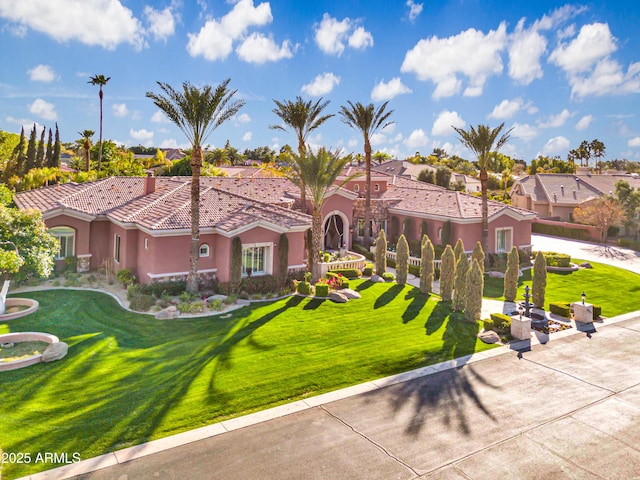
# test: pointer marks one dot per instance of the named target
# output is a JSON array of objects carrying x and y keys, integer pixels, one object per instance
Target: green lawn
[
  {"x": 129, "y": 378},
  {"x": 614, "y": 289}
]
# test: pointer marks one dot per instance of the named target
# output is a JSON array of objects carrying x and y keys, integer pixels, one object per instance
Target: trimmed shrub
[
  {"x": 560, "y": 308},
  {"x": 414, "y": 247},
  {"x": 488, "y": 324},
  {"x": 259, "y": 284},
  {"x": 448, "y": 273},
  {"x": 501, "y": 323},
  {"x": 407, "y": 227},
  {"x": 539, "y": 280},
  {"x": 141, "y": 302},
  {"x": 363, "y": 251},
  {"x": 426, "y": 265},
  {"x": 71, "y": 264},
  {"x": 459, "y": 249},
  {"x": 473, "y": 300},
  {"x": 350, "y": 273},
  {"x": 460, "y": 284},
  {"x": 597, "y": 311},
  {"x": 424, "y": 229},
  {"x": 446, "y": 234},
  {"x": 557, "y": 259},
  {"x": 304, "y": 288},
  {"x": 414, "y": 270},
  {"x": 561, "y": 231},
  {"x": 511, "y": 276},
  {"x": 283, "y": 259},
  {"x": 368, "y": 269},
  {"x": 629, "y": 244},
  {"x": 381, "y": 253},
  {"x": 126, "y": 277},
  {"x": 402, "y": 260},
  {"x": 388, "y": 277},
  {"x": 322, "y": 289},
  {"x": 478, "y": 254}
]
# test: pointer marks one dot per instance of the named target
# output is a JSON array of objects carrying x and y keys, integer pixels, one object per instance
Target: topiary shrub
[
  {"x": 445, "y": 235},
  {"x": 259, "y": 284},
  {"x": 283, "y": 259},
  {"x": 388, "y": 277},
  {"x": 236, "y": 262},
  {"x": 141, "y": 302},
  {"x": 381, "y": 253},
  {"x": 448, "y": 273},
  {"x": 478, "y": 254},
  {"x": 407, "y": 227},
  {"x": 488, "y": 324},
  {"x": 501, "y": 322},
  {"x": 560, "y": 308},
  {"x": 303, "y": 288},
  {"x": 460, "y": 283},
  {"x": 402, "y": 260},
  {"x": 511, "y": 276},
  {"x": 459, "y": 249},
  {"x": 126, "y": 277},
  {"x": 426, "y": 265},
  {"x": 368, "y": 269},
  {"x": 474, "y": 286},
  {"x": 554, "y": 259},
  {"x": 539, "y": 280},
  {"x": 424, "y": 229},
  {"x": 350, "y": 273},
  {"x": 322, "y": 289}
]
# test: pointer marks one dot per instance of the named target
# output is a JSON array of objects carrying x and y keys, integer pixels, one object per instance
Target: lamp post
[
  {"x": 583, "y": 297},
  {"x": 521, "y": 311}
]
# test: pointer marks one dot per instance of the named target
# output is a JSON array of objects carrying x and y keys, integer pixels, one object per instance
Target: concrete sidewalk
[{"x": 568, "y": 409}]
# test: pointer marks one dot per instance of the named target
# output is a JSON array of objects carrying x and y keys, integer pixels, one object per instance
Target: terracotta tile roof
[{"x": 46, "y": 198}]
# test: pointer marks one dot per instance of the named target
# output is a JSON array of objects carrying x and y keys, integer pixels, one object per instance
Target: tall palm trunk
[
  {"x": 196, "y": 164},
  {"x": 485, "y": 216},
  {"x": 316, "y": 240},
  {"x": 100, "y": 139},
  {"x": 366, "y": 241},
  {"x": 303, "y": 186}
]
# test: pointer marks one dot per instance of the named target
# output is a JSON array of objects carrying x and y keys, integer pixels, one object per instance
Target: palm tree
[
  {"x": 197, "y": 112},
  {"x": 85, "y": 143},
  {"x": 482, "y": 141},
  {"x": 319, "y": 172},
  {"x": 598, "y": 150},
  {"x": 368, "y": 120},
  {"x": 303, "y": 118},
  {"x": 101, "y": 81}
]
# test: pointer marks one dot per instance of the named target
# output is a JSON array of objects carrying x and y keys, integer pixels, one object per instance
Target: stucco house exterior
[
  {"x": 143, "y": 223},
  {"x": 402, "y": 168}
]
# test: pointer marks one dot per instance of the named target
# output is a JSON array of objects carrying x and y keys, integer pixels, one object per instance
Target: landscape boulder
[
  {"x": 377, "y": 279},
  {"x": 337, "y": 297},
  {"x": 586, "y": 265},
  {"x": 168, "y": 313},
  {"x": 489, "y": 337},
  {"x": 347, "y": 292},
  {"x": 54, "y": 352}
]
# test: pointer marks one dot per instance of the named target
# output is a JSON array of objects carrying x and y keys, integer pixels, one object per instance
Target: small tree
[
  {"x": 381, "y": 253},
  {"x": 427, "y": 256},
  {"x": 539, "y": 280},
  {"x": 424, "y": 229},
  {"x": 511, "y": 275},
  {"x": 601, "y": 213},
  {"x": 407, "y": 227},
  {"x": 283, "y": 258},
  {"x": 402, "y": 260},
  {"x": 459, "y": 249},
  {"x": 447, "y": 273},
  {"x": 445, "y": 236},
  {"x": 460, "y": 290},
  {"x": 475, "y": 285},
  {"x": 478, "y": 254}
]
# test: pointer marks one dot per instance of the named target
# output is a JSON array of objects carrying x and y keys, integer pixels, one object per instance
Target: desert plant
[
  {"x": 447, "y": 273},
  {"x": 478, "y": 254},
  {"x": 126, "y": 277},
  {"x": 426, "y": 265},
  {"x": 459, "y": 249},
  {"x": 381, "y": 253},
  {"x": 473, "y": 300},
  {"x": 511, "y": 275},
  {"x": 402, "y": 260},
  {"x": 460, "y": 284},
  {"x": 141, "y": 302},
  {"x": 539, "y": 280}
]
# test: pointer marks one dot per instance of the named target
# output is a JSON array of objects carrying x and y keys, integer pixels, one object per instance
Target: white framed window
[
  {"x": 440, "y": 233},
  {"x": 66, "y": 237},
  {"x": 356, "y": 188},
  {"x": 116, "y": 248},
  {"x": 504, "y": 239},
  {"x": 146, "y": 244},
  {"x": 204, "y": 250},
  {"x": 256, "y": 259},
  {"x": 376, "y": 187}
]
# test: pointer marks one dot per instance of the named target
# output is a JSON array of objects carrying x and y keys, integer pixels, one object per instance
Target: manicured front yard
[{"x": 129, "y": 378}]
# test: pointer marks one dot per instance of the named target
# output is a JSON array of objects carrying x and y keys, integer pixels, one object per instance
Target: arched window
[
  {"x": 204, "y": 250},
  {"x": 356, "y": 188},
  {"x": 66, "y": 237},
  {"x": 376, "y": 187}
]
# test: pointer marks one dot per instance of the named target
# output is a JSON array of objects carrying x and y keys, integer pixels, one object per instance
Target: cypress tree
[
  {"x": 445, "y": 236},
  {"x": 31, "y": 151},
  {"x": 460, "y": 284},
  {"x": 283, "y": 259},
  {"x": 427, "y": 256},
  {"x": 478, "y": 254},
  {"x": 511, "y": 275},
  {"x": 49, "y": 153},
  {"x": 539, "y": 280},
  {"x": 424, "y": 229},
  {"x": 55, "y": 159},
  {"x": 475, "y": 285},
  {"x": 381, "y": 253},
  {"x": 447, "y": 273},
  {"x": 15, "y": 165},
  {"x": 459, "y": 249},
  {"x": 402, "y": 260},
  {"x": 236, "y": 262},
  {"x": 40, "y": 150}
]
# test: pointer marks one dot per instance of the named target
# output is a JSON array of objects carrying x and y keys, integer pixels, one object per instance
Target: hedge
[
  {"x": 561, "y": 231},
  {"x": 557, "y": 259},
  {"x": 350, "y": 273},
  {"x": 368, "y": 269},
  {"x": 561, "y": 308},
  {"x": 501, "y": 322},
  {"x": 388, "y": 277},
  {"x": 304, "y": 288},
  {"x": 488, "y": 324},
  {"x": 363, "y": 251},
  {"x": 322, "y": 290},
  {"x": 629, "y": 244}
]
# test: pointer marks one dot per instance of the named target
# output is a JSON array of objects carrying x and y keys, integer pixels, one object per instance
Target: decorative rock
[
  {"x": 54, "y": 352},
  {"x": 347, "y": 292},
  {"x": 496, "y": 274},
  {"x": 337, "y": 297},
  {"x": 168, "y": 313},
  {"x": 586, "y": 265},
  {"x": 377, "y": 279},
  {"x": 489, "y": 337}
]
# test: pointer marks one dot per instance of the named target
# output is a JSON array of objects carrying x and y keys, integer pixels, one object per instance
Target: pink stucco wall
[{"x": 81, "y": 227}]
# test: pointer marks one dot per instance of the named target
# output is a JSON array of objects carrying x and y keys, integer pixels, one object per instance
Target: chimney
[{"x": 149, "y": 184}]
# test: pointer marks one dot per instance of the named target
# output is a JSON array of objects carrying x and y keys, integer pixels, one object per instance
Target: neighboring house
[
  {"x": 412, "y": 170},
  {"x": 143, "y": 223},
  {"x": 556, "y": 195},
  {"x": 173, "y": 153}
]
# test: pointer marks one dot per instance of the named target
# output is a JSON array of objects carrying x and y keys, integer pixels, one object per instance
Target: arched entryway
[{"x": 335, "y": 231}]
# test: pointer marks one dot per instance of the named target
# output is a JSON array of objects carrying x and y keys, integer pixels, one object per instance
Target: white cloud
[
  {"x": 416, "y": 139},
  {"x": 172, "y": 143},
  {"x": 141, "y": 135},
  {"x": 258, "y": 48},
  {"x": 321, "y": 85},
  {"x": 557, "y": 120},
  {"x": 584, "y": 122},
  {"x": 120, "y": 109},
  {"x": 507, "y": 109},
  {"x": 352, "y": 143},
  {"x": 360, "y": 39},
  {"x": 43, "y": 109},
  {"x": 607, "y": 78},
  {"x": 247, "y": 137},
  {"x": 415, "y": 9},
  {"x": 331, "y": 35},
  {"x": 524, "y": 131},
  {"x": 93, "y": 22},
  {"x": 470, "y": 53},
  {"x": 556, "y": 145},
  {"x": 593, "y": 43},
  {"x": 162, "y": 23},
  {"x": 634, "y": 142},
  {"x": 446, "y": 119},
  {"x": 386, "y": 91},
  {"x": 378, "y": 138},
  {"x": 42, "y": 73},
  {"x": 160, "y": 117},
  {"x": 525, "y": 50},
  {"x": 215, "y": 39},
  {"x": 243, "y": 118}
]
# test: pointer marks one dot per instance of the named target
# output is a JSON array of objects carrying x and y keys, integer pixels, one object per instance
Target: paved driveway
[{"x": 595, "y": 252}]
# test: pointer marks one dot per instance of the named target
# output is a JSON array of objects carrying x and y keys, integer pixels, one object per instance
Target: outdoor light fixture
[
  {"x": 583, "y": 297},
  {"x": 521, "y": 311}
]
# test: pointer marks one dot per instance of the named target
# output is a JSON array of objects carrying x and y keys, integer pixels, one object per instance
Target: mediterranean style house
[{"x": 143, "y": 223}]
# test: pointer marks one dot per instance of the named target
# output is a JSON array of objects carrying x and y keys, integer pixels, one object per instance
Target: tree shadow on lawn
[
  {"x": 364, "y": 285},
  {"x": 437, "y": 317},
  {"x": 418, "y": 301},
  {"x": 388, "y": 296},
  {"x": 129, "y": 404},
  {"x": 313, "y": 303}
]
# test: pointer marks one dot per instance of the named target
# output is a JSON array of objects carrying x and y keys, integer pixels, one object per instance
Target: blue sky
[{"x": 558, "y": 73}]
